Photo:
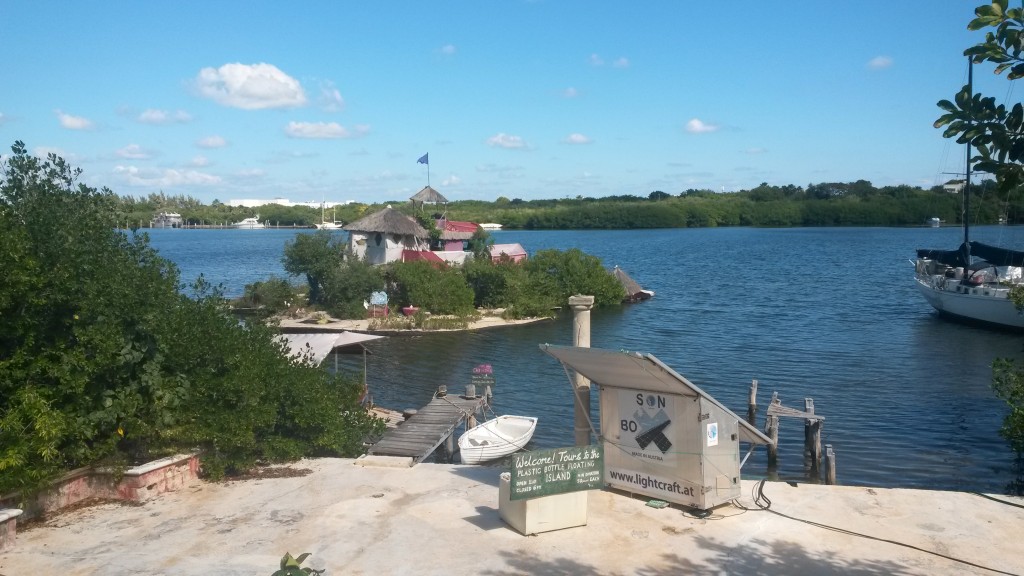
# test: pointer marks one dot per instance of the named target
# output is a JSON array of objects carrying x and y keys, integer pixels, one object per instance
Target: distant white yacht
[
  {"x": 325, "y": 224},
  {"x": 250, "y": 223},
  {"x": 491, "y": 226}
]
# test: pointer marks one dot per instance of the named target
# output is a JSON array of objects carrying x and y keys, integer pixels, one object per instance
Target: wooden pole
[
  {"x": 830, "y": 465},
  {"x": 816, "y": 443},
  {"x": 809, "y": 409},
  {"x": 771, "y": 429},
  {"x": 752, "y": 404}
]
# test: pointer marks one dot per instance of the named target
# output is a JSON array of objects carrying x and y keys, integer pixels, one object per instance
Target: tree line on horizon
[{"x": 856, "y": 203}]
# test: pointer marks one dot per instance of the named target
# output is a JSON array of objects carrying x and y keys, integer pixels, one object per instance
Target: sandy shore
[
  {"x": 443, "y": 519},
  {"x": 486, "y": 321}
]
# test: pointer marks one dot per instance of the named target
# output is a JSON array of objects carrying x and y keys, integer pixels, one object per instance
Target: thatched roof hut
[
  {"x": 634, "y": 291},
  {"x": 388, "y": 221},
  {"x": 429, "y": 195}
]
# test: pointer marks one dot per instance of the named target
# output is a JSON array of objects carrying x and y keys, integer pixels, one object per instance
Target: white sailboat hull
[
  {"x": 496, "y": 438},
  {"x": 986, "y": 303}
]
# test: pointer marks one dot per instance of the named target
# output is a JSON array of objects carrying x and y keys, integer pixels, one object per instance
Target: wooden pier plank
[{"x": 421, "y": 434}]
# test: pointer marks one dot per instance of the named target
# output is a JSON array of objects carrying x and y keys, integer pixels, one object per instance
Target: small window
[{"x": 378, "y": 238}]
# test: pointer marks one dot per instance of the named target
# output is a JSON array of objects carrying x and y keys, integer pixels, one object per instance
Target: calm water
[{"x": 830, "y": 314}]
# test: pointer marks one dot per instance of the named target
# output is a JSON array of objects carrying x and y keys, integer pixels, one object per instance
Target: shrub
[
  {"x": 102, "y": 357},
  {"x": 269, "y": 297},
  {"x": 437, "y": 289},
  {"x": 559, "y": 275}
]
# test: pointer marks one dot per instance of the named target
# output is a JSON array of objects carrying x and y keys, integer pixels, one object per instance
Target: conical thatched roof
[
  {"x": 388, "y": 221},
  {"x": 628, "y": 283},
  {"x": 428, "y": 194}
]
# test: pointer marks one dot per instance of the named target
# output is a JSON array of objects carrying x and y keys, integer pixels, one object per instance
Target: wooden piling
[
  {"x": 752, "y": 404},
  {"x": 771, "y": 429},
  {"x": 830, "y": 465},
  {"x": 808, "y": 409}
]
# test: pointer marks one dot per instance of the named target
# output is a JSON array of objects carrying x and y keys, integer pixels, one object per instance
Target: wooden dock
[{"x": 420, "y": 434}]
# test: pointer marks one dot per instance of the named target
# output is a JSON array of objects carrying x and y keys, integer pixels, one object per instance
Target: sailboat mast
[{"x": 967, "y": 172}]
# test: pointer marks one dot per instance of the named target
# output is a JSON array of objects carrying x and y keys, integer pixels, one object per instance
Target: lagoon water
[{"x": 826, "y": 313}]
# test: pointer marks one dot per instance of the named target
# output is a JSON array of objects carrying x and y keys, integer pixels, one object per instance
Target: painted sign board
[
  {"x": 556, "y": 471},
  {"x": 483, "y": 376},
  {"x": 668, "y": 446}
]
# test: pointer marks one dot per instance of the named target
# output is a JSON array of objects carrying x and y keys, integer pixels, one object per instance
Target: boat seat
[{"x": 476, "y": 442}]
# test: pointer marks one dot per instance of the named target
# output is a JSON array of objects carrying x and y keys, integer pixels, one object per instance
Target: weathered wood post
[
  {"x": 808, "y": 409},
  {"x": 812, "y": 435},
  {"x": 816, "y": 441},
  {"x": 830, "y": 465},
  {"x": 581, "y": 306},
  {"x": 752, "y": 404},
  {"x": 771, "y": 429}
]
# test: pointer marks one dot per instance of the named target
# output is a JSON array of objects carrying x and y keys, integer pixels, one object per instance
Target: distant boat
[
  {"x": 250, "y": 223},
  {"x": 491, "y": 226},
  {"x": 495, "y": 438},
  {"x": 934, "y": 222},
  {"x": 634, "y": 292},
  {"x": 324, "y": 224}
]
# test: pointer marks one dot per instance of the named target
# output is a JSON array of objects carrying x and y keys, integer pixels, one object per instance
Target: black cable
[
  {"x": 1014, "y": 504},
  {"x": 759, "y": 497}
]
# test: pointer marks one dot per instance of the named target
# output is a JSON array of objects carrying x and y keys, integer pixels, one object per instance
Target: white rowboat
[{"x": 496, "y": 438}]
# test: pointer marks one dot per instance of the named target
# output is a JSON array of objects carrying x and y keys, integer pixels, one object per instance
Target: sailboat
[
  {"x": 972, "y": 283},
  {"x": 324, "y": 224}
]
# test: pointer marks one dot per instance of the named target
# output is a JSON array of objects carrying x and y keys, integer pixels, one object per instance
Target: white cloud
[
  {"x": 570, "y": 92},
  {"x": 452, "y": 180},
  {"x": 153, "y": 116},
  {"x": 212, "y": 142},
  {"x": 330, "y": 98},
  {"x": 621, "y": 62},
  {"x": 250, "y": 87},
  {"x": 200, "y": 161},
  {"x": 576, "y": 138},
  {"x": 880, "y": 62},
  {"x": 74, "y": 122},
  {"x": 697, "y": 126},
  {"x": 3, "y": 118},
  {"x": 251, "y": 174},
  {"x": 448, "y": 49},
  {"x": 165, "y": 178},
  {"x": 323, "y": 130},
  {"x": 44, "y": 151},
  {"x": 134, "y": 152},
  {"x": 596, "y": 60},
  {"x": 502, "y": 140}
]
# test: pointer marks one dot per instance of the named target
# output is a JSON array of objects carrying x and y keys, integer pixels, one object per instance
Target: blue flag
[{"x": 423, "y": 159}]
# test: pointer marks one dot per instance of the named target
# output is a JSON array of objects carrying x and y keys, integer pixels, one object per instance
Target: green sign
[{"x": 556, "y": 471}]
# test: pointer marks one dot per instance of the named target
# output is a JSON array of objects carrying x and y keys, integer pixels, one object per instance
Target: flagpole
[{"x": 425, "y": 159}]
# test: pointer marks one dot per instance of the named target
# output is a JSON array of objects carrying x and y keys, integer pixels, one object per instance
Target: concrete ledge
[
  {"x": 368, "y": 461},
  {"x": 8, "y": 527},
  {"x": 134, "y": 484}
]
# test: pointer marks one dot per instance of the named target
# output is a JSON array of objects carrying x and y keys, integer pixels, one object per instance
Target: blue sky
[{"x": 522, "y": 99}]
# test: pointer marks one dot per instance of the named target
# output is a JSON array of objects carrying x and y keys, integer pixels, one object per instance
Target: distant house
[
  {"x": 954, "y": 186},
  {"x": 166, "y": 220},
  {"x": 514, "y": 251},
  {"x": 453, "y": 245},
  {"x": 384, "y": 236}
]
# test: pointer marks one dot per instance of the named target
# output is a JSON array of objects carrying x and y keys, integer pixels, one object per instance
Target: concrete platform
[{"x": 443, "y": 519}]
